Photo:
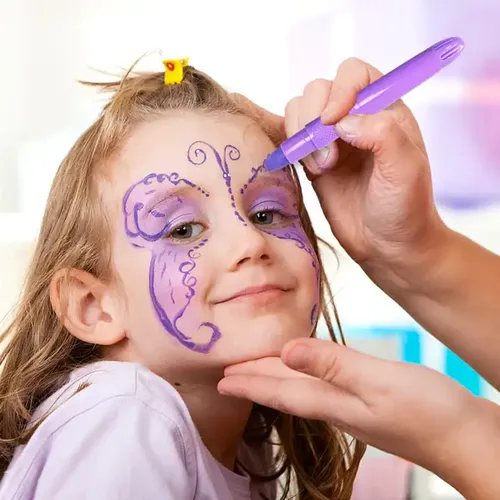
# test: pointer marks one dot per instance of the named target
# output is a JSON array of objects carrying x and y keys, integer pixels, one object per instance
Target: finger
[
  {"x": 265, "y": 367},
  {"x": 314, "y": 100},
  {"x": 352, "y": 76},
  {"x": 273, "y": 125},
  {"x": 335, "y": 364},
  {"x": 292, "y": 116},
  {"x": 307, "y": 398},
  {"x": 383, "y": 135}
]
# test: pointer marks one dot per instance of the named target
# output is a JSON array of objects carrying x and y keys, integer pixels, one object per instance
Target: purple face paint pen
[{"x": 372, "y": 99}]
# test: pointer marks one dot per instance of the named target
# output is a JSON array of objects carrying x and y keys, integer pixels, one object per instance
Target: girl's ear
[{"x": 89, "y": 309}]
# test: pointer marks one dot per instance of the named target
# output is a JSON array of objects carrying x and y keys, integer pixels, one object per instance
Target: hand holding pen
[{"x": 374, "y": 185}]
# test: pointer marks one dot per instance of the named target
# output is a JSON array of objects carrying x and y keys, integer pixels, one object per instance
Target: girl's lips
[{"x": 256, "y": 294}]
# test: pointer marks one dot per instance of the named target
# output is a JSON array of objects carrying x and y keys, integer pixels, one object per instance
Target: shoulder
[
  {"x": 104, "y": 389},
  {"x": 111, "y": 421},
  {"x": 127, "y": 394}
]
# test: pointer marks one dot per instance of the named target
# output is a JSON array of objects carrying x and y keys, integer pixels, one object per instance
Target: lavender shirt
[{"x": 128, "y": 435}]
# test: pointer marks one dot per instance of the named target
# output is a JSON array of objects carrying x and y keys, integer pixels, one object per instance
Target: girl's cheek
[{"x": 297, "y": 236}]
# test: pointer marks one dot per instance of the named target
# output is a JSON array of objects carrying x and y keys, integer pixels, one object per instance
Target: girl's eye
[
  {"x": 266, "y": 217},
  {"x": 186, "y": 231}
]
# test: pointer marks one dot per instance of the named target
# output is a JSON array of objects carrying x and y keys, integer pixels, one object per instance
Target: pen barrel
[
  {"x": 394, "y": 85},
  {"x": 377, "y": 96},
  {"x": 372, "y": 99}
]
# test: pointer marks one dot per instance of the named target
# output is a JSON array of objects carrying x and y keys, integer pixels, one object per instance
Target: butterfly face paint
[
  {"x": 167, "y": 225},
  {"x": 197, "y": 155},
  {"x": 172, "y": 284}
]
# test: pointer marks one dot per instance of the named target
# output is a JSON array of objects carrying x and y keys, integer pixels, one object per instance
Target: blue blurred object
[
  {"x": 459, "y": 370},
  {"x": 410, "y": 340}
]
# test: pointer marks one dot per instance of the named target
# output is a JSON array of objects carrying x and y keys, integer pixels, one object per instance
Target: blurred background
[{"x": 267, "y": 50}]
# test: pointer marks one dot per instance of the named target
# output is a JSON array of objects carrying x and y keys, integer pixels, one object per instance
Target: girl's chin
[{"x": 240, "y": 354}]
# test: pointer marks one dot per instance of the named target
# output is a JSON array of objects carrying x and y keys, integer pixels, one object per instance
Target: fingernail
[
  {"x": 221, "y": 390},
  {"x": 298, "y": 357},
  {"x": 320, "y": 156},
  {"x": 348, "y": 126}
]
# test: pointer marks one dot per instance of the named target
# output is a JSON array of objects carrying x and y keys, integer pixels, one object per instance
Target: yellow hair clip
[{"x": 174, "y": 70}]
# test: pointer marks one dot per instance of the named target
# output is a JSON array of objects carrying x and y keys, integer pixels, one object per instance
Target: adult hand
[{"x": 404, "y": 409}]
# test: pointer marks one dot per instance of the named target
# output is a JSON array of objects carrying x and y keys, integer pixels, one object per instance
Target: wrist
[
  {"x": 414, "y": 267},
  {"x": 470, "y": 457}
]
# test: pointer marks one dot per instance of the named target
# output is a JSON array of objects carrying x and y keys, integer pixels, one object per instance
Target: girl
[{"x": 165, "y": 255}]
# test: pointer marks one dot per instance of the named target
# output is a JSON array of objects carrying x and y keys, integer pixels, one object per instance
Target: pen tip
[{"x": 276, "y": 160}]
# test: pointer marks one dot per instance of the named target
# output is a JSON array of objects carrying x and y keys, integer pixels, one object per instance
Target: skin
[
  {"x": 375, "y": 188},
  {"x": 195, "y": 223}
]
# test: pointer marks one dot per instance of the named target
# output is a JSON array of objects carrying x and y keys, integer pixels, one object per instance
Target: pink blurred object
[
  {"x": 384, "y": 478},
  {"x": 460, "y": 127}
]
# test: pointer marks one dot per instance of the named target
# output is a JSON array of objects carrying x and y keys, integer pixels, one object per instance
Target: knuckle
[
  {"x": 315, "y": 86},
  {"x": 292, "y": 105},
  {"x": 354, "y": 61},
  {"x": 332, "y": 368},
  {"x": 353, "y": 74},
  {"x": 400, "y": 117},
  {"x": 275, "y": 403},
  {"x": 350, "y": 64},
  {"x": 395, "y": 133},
  {"x": 385, "y": 125}
]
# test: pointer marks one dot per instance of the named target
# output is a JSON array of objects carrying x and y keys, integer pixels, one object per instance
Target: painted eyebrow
[{"x": 165, "y": 193}]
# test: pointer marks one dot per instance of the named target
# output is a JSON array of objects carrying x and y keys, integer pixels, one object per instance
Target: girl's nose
[{"x": 246, "y": 245}]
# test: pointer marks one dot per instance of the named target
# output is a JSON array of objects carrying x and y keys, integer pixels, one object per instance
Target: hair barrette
[{"x": 174, "y": 70}]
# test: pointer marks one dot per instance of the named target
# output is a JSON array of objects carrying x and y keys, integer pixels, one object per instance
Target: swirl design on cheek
[
  {"x": 169, "y": 307},
  {"x": 197, "y": 156},
  {"x": 173, "y": 295}
]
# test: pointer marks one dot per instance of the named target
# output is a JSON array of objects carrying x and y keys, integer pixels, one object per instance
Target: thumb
[
  {"x": 384, "y": 136},
  {"x": 333, "y": 363}
]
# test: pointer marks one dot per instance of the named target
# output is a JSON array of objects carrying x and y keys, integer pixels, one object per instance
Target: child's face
[{"x": 214, "y": 262}]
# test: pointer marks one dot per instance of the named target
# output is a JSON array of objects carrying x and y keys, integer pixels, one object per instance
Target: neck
[
  {"x": 221, "y": 427},
  {"x": 220, "y": 420}
]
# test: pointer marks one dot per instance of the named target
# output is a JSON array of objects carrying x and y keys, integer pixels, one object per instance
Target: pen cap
[{"x": 385, "y": 91}]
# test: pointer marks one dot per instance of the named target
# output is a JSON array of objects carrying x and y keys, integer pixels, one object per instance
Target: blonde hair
[{"x": 39, "y": 353}]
